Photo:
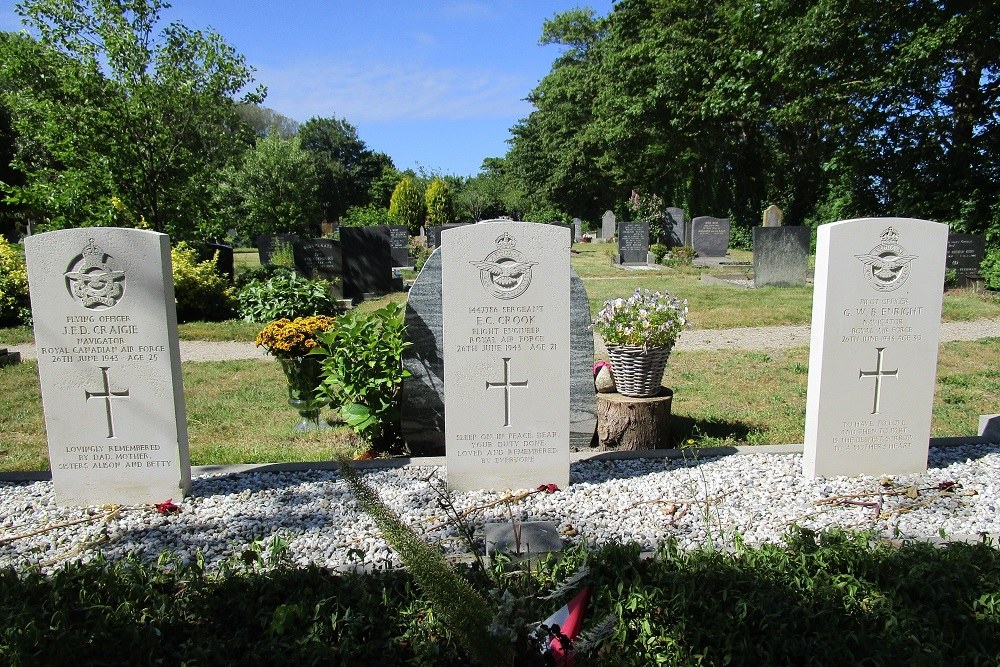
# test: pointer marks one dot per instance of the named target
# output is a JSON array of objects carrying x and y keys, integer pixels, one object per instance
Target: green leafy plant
[
  {"x": 681, "y": 255},
  {"x": 369, "y": 215},
  {"x": 14, "y": 306},
  {"x": 406, "y": 206},
  {"x": 989, "y": 269},
  {"x": 950, "y": 278},
  {"x": 645, "y": 319},
  {"x": 202, "y": 293},
  {"x": 282, "y": 254},
  {"x": 363, "y": 371},
  {"x": 285, "y": 294},
  {"x": 659, "y": 250},
  {"x": 439, "y": 203}
]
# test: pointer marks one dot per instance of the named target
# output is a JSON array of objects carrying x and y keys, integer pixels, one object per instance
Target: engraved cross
[
  {"x": 107, "y": 396},
  {"x": 506, "y": 384},
  {"x": 878, "y": 374}
]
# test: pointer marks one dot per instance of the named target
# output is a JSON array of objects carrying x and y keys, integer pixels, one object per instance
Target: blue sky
[{"x": 435, "y": 84}]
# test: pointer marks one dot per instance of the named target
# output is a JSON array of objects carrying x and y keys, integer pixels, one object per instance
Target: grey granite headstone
[
  {"x": 423, "y": 391},
  {"x": 675, "y": 227},
  {"x": 780, "y": 256},
  {"x": 399, "y": 246},
  {"x": 633, "y": 242},
  {"x": 965, "y": 254},
  {"x": 989, "y": 428},
  {"x": 524, "y": 538},
  {"x": 565, "y": 225},
  {"x": 773, "y": 216},
  {"x": 710, "y": 236},
  {"x": 505, "y": 304},
  {"x": 608, "y": 225},
  {"x": 367, "y": 261},
  {"x": 265, "y": 245},
  {"x": 318, "y": 258},
  {"x": 109, "y": 365},
  {"x": 577, "y": 229}
]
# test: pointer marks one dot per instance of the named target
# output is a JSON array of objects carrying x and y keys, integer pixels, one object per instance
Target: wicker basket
[{"x": 638, "y": 371}]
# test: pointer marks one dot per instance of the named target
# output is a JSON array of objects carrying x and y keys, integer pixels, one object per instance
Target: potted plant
[
  {"x": 639, "y": 332},
  {"x": 291, "y": 341}
]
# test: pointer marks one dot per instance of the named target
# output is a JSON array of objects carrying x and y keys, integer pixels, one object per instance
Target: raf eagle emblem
[
  {"x": 887, "y": 266},
  {"x": 505, "y": 273},
  {"x": 94, "y": 279}
]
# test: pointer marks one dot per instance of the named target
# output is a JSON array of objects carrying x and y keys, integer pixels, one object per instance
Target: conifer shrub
[
  {"x": 14, "y": 305},
  {"x": 202, "y": 293}
]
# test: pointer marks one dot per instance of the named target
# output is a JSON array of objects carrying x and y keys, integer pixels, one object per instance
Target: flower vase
[
  {"x": 303, "y": 376},
  {"x": 638, "y": 371}
]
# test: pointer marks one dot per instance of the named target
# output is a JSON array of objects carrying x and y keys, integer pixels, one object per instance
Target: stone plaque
[
  {"x": 318, "y": 258},
  {"x": 367, "y": 261},
  {"x": 780, "y": 256},
  {"x": 608, "y": 225},
  {"x": 965, "y": 254},
  {"x": 399, "y": 246},
  {"x": 506, "y": 350},
  {"x": 710, "y": 236},
  {"x": 773, "y": 216},
  {"x": 633, "y": 242},
  {"x": 873, "y": 351},
  {"x": 675, "y": 227},
  {"x": 265, "y": 245},
  {"x": 109, "y": 365}
]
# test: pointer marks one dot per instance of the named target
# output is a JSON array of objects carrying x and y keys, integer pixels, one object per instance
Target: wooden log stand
[{"x": 631, "y": 424}]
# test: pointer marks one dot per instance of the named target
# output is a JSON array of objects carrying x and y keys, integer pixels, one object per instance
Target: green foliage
[
  {"x": 659, "y": 251},
  {"x": 406, "y": 207},
  {"x": 202, "y": 293},
  {"x": 740, "y": 237},
  {"x": 989, "y": 269},
  {"x": 282, "y": 255},
  {"x": 439, "y": 202},
  {"x": 363, "y": 371},
  {"x": 420, "y": 255},
  {"x": 273, "y": 189},
  {"x": 14, "y": 303},
  {"x": 285, "y": 294},
  {"x": 365, "y": 216}
]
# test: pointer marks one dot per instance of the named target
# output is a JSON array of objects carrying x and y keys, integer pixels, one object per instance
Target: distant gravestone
[
  {"x": 773, "y": 216},
  {"x": 577, "y": 229},
  {"x": 633, "y": 242},
  {"x": 873, "y": 352},
  {"x": 423, "y": 390},
  {"x": 675, "y": 227},
  {"x": 608, "y": 225},
  {"x": 265, "y": 245},
  {"x": 399, "y": 246},
  {"x": 965, "y": 254},
  {"x": 224, "y": 259},
  {"x": 318, "y": 258},
  {"x": 367, "y": 261},
  {"x": 434, "y": 233},
  {"x": 505, "y": 298},
  {"x": 780, "y": 256},
  {"x": 710, "y": 236},
  {"x": 109, "y": 365}
]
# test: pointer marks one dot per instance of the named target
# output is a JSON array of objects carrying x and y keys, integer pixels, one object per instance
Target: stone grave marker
[
  {"x": 780, "y": 256},
  {"x": 676, "y": 235},
  {"x": 318, "y": 258},
  {"x": 109, "y": 365},
  {"x": 265, "y": 245},
  {"x": 873, "y": 351},
  {"x": 505, "y": 298},
  {"x": 965, "y": 254},
  {"x": 367, "y": 261},
  {"x": 225, "y": 262},
  {"x": 423, "y": 391},
  {"x": 633, "y": 242},
  {"x": 710, "y": 236},
  {"x": 399, "y": 246},
  {"x": 608, "y": 225},
  {"x": 434, "y": 233},
  {"x": 773, "y": 216},
  {"x": 577, "y": 229}
]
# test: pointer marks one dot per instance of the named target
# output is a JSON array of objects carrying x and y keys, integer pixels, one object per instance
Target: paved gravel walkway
[{"x": 751, "y": 338}]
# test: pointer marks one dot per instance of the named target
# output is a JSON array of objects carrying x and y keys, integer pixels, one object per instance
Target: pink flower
[{"x": 168, "y": 507}]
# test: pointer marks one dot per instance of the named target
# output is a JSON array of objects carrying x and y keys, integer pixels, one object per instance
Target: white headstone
[
  {"x": 108, "y": 360},
  {"x": 876, "y": 322},
  {"x": 506, "y": 350},
  {"x": 773, "y": 216},
  {"x": 609, "y": 225}
]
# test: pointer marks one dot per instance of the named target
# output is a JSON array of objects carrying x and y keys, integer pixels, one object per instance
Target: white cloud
[{"x": 379, "y": 92}]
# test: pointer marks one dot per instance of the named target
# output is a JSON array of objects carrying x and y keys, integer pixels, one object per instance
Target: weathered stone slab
[
  {"x": 780, "y": 256},
  {"x": 633, "y": 242},
  {"x": 609, "y": 225},
  {"x": 873, "y": 355},
  {"x": 524, "y": 538},
  {"x": 506, "y": 347},
  {"x": 676, "y": 231},
  {"x": 710, "y": 236},
  {"x": 773, "y": 217},
  {"x": 318, "y": 258},
  {"x": 577, "y": 229},
  {"x": 109, "y": 365}
]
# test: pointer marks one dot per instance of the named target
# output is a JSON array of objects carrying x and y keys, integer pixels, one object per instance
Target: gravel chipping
[{"x": 696, "y": 501}]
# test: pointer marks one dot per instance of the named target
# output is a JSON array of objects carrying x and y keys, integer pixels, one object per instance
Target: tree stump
[{"x": 631, "y": 424}]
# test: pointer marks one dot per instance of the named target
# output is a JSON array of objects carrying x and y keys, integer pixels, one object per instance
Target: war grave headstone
[
  {"x": 225, "y": 262},
  {"x": 367, "y": 261},
  {"x": 675, "y": 227},
  {"x": 318, "y": 258},
  {"x": 399, "y": 246},
  {"x": 109, "y": 364},
  {"x": 873, "y": 350},
  {"x": 609, "y": 225},
  {"x": 505, "y": 301},
  {"x": 710, "y": 236},
  {"x": 773, "y": 217},
  {"x": 265, "y": 245},
  {"x": 423, "y": 390},
  {"x": 577, "y": 229},
  {"x": 633, "y": 242},
  {"x": 565, "y": 225},
  {"x": 965, "y": 254},
  {"x": 434, "y": 233},
  {"x": 780, "y": 256}
]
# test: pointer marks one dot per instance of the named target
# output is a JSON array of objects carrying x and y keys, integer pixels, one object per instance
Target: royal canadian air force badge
[
  {"x": 95, "y": 279},
  {"x": 505, "y": 273},
  {"x": 887, "y": 266}
]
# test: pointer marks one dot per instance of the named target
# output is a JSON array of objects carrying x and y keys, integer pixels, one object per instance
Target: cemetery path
[{"x": 751, "y": 338}]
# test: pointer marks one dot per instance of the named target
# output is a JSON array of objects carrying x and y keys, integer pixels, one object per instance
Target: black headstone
[
  {"x": 675, "y": 227},
  {"x": 399, "y": 245},
  {"x": 434, "y": 233},
  {"x": 633, "y": 242},
  {"x": 318, "y": 258},
  {"x": 265, "y": 245},
  {"x": 367, "y": 261},
  {"x": 224, "y": 261},
  {"x": 710, "y": 236},
  {"x": 780, "y": 256},
  {"x": 965, "y": 254}
]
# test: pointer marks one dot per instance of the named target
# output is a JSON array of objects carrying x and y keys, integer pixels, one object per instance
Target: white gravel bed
[{"x": 647, "y": 501}]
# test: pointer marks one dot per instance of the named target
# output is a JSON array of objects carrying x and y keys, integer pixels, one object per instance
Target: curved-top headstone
[
  {"x": 608, "y": 225},
  {"x": 710, "y": 236}
]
